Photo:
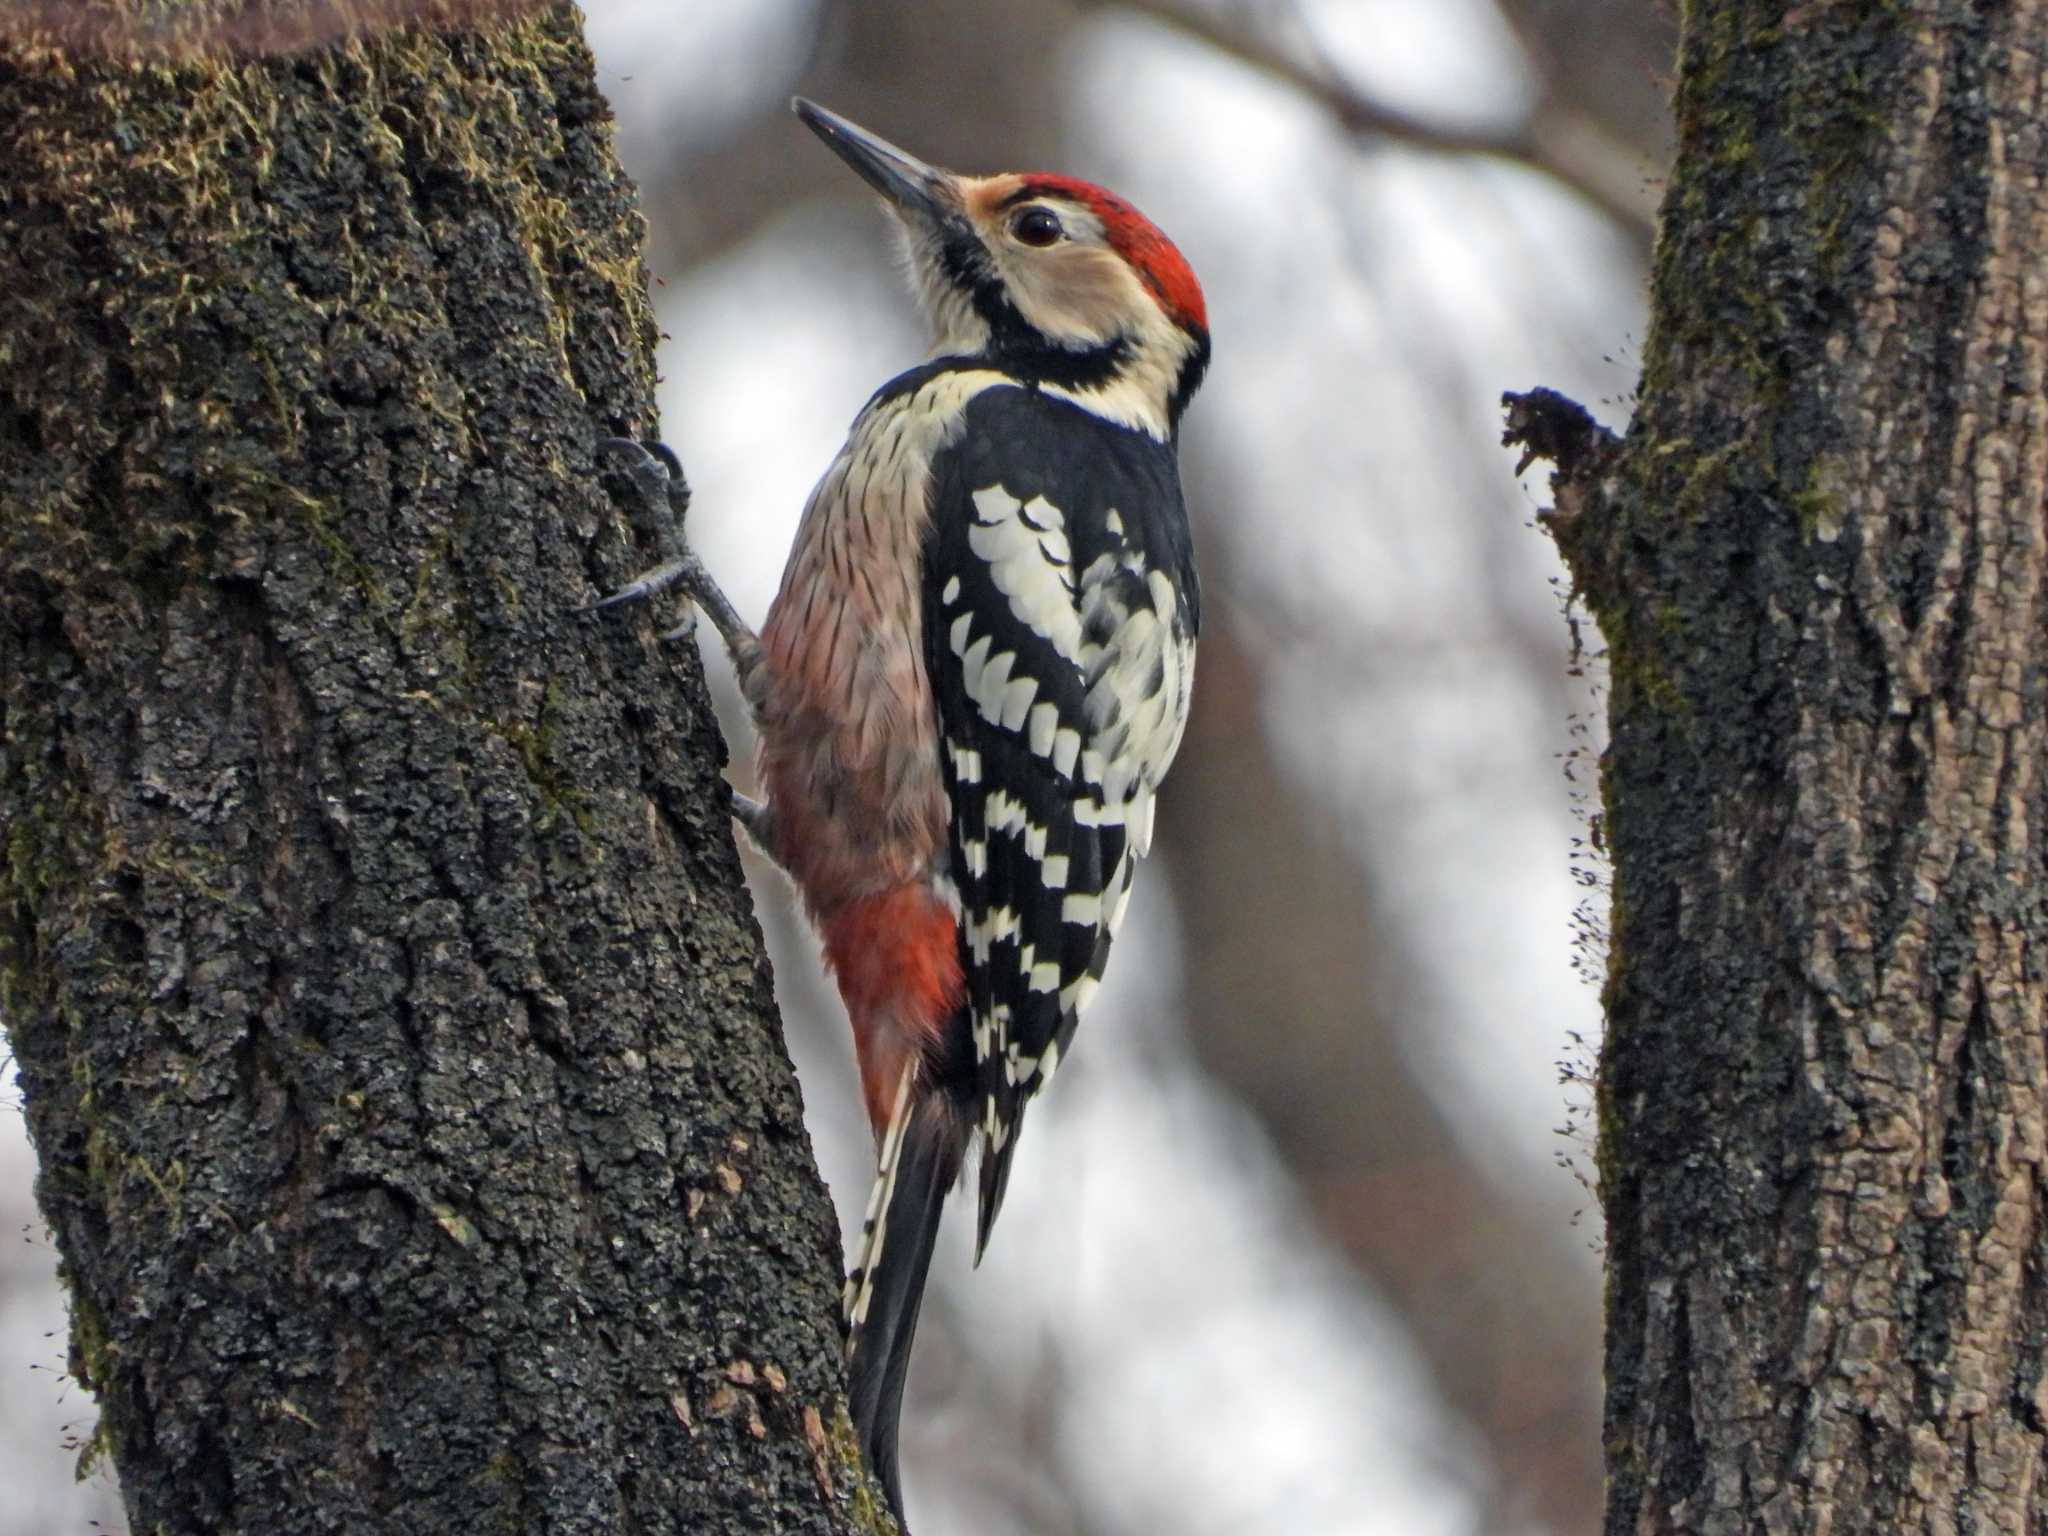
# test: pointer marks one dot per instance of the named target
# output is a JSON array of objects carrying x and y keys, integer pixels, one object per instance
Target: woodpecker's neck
[
  {"x": 1142, "y": 381},
  {"x": 1112, "y": 350},
  {"x": 1144, "y": 384}
]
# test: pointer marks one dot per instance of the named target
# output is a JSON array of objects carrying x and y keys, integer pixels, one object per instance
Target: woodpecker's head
[{"x": 1050, "y": 278}]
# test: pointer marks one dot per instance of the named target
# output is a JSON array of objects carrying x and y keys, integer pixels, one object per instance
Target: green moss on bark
[
  {"x": 386, "y": 997},
  {"x": 1816, "y": 560}
]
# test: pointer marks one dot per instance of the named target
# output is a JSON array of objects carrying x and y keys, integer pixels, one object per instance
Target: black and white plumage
[
  {"x": 1061, "y": 607},
  {"x": 972, "y": 679},
  {"x": 1057, "y": 604}
]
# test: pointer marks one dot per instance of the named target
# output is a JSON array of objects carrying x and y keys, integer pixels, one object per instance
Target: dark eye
[{"x": 1036, "y": 226}]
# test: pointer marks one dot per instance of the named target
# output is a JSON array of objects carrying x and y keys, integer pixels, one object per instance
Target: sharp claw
[
  {"x": 651, "y": 474},
  {"x": 657, "y": 449},
  {"x": 658, "y": 476},
  {"x": 646, "y": 584},
  {"x": 651, "y": 461}
]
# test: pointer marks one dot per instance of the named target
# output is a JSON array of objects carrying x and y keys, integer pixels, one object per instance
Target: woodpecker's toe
[
  {"x": 668, "y": 574},
  {"x": 656, "y": 472},
  {"x": 657, "y": 479}
]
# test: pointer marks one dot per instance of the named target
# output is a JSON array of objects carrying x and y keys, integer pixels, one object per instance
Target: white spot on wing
[
  {"x": 1002, "y": 925},
  {"x": 990, "y": 684},
  {"x": 972, "y": 660},
  {"x": 1066, "y": 746},
  {"x": 1017, "y": 700},
  {"x": 1081, "y": 909},
  {"x": 1030, "y": 566},
  {"x": 1138, "y": 825},
  {"x": 1093, "y": 813},
  {"x": 1048, "y": 1063},
  {"x": 1045, "y": 719}
]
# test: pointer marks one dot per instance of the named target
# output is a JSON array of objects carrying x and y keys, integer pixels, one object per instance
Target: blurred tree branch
[
  {"x": 1556, "y": 137},
  {"x": 1612, "y": 58}
]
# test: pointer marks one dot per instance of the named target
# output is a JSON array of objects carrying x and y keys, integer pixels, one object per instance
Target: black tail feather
[
  {"x": 995, "y": 1172},
  {"x": 892, "y": 1282}
]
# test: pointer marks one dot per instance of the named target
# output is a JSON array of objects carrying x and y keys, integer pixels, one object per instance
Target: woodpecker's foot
[
  {"x": 658, "y": 481},
  {"x": 670, "y": 573}
]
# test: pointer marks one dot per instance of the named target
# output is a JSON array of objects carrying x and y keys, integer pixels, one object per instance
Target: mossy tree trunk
[
  {"x": 1820, "y": 562},
  {"x": 392, "y": 1023}
]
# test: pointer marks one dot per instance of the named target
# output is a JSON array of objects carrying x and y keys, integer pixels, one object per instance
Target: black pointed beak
[{"x": 906, "y": 181}]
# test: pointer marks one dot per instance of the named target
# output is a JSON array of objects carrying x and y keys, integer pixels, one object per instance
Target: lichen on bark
[
  {"x": 392, "y": 1024},
  {"x": 1818, "y": 560}
]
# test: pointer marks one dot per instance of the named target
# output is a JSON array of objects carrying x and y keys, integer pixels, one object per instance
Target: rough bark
[
  {"x": 394, "y": 1031},
  {"x": 1818, "y": 562}
]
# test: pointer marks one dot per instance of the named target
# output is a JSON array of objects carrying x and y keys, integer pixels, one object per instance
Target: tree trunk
[
  {"x": 394, "y": 1031},
  {"x": 1820, "y": 564}
]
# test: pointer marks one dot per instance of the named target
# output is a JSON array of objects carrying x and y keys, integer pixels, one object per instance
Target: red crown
[{"x": 1139, "y": 241}]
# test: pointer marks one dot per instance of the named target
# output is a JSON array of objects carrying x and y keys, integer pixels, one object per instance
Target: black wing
[{"x": 1060, "y": 615}]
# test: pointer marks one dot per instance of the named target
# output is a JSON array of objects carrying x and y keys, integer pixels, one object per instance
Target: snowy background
[{"x": 1295, "y": 1244}]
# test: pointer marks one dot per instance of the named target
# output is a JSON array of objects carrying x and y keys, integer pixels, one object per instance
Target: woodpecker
[{"x": 972, "y": 680}]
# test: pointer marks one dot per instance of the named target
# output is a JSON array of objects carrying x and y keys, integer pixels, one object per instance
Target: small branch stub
[{"x": 1547, "y": 425}]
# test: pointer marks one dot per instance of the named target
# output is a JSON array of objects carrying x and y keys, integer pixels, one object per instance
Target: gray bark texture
[
  {"x": 1820, "y": 564},
  {"x": 394, "y": 1031}
]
